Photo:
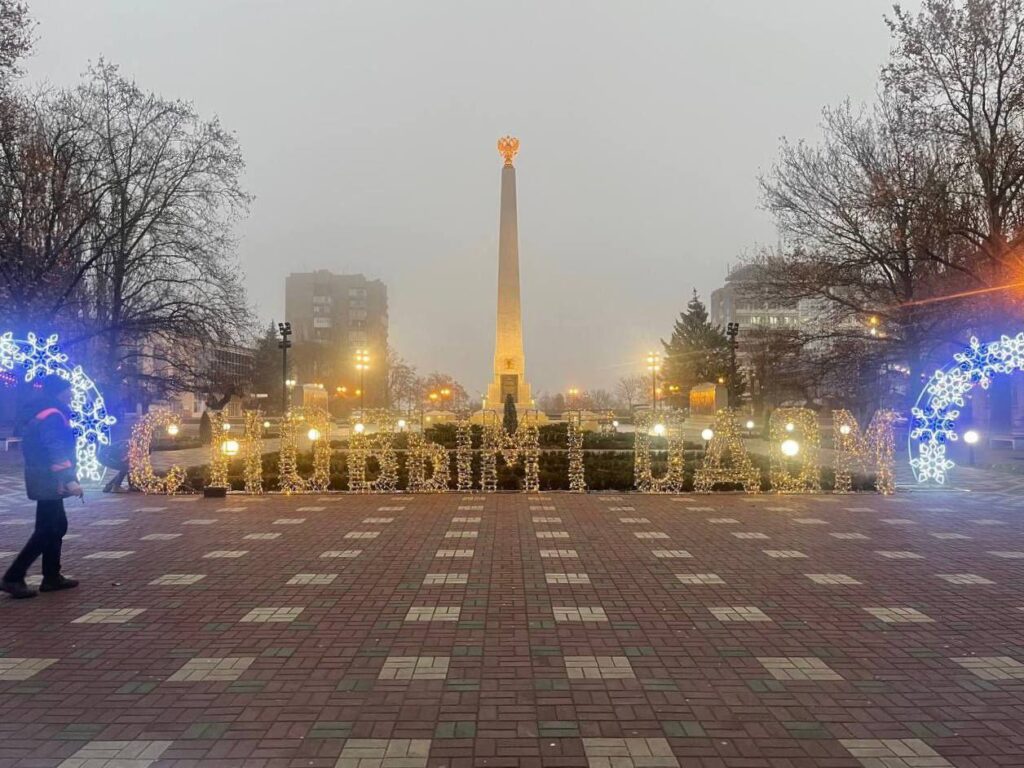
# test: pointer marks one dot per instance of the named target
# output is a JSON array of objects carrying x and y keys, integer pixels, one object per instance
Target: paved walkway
[{"x": 511, "y": 630}]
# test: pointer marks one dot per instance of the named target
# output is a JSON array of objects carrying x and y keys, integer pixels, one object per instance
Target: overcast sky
[{"x": 369, "y": 131}]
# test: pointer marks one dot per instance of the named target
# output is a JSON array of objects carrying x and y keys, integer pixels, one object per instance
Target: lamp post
[
  {"x": 285, "y": 329},
  {"x": 732, "y": 330},
  {"x": 362, "y": 365},
  {"x": 654, "y": 365}
]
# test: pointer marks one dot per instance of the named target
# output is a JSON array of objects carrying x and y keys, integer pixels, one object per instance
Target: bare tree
[
  {"x": 16, "y": 27},
  {"x": 632, "y": 391},
  {"x": 402, "y": 384}
]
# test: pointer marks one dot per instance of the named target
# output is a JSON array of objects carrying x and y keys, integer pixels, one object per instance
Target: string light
[
  {"x": 577, "y": 471},
  {"x": 854, "y": 450},
  {"x": 319, "y": 433},
  {"x": 464, "y": 455},
  {"x": 420, "y": 453},
  {"x": 252, "y": 451},
  {"x": 140, "y": 467},
  {"x": 218, "y": 456},
  {"x": 933, "y": 417},
  {"x": 89, "y": 417},
  {"x": 489, "y": 450},
  {"x": 379, "y": 445},
  {"x": 804, "y": 422},
  {"x": 675, "y": 475},
  {"x": 522, "y": 445},
  {"x": 289, "y": 480},
  {"x": 726, "y": 460}
]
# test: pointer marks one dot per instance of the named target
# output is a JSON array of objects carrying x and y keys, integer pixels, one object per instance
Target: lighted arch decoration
[
  {"x": 938, "y": 406},
  {"x": 89, "y": 418}
]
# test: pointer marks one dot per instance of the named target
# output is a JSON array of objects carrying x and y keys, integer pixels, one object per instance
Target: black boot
[
  {"x": 18, "y": 590},
  {"x": 61, "y": 582}
]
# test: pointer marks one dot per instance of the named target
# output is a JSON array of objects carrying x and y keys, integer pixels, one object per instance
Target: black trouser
[
  {"x": 51, "y": 525},
  {"x": 118, "y": 479}
]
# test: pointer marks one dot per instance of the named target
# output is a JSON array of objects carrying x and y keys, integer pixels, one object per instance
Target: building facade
[{"x": 332, "y": 317}]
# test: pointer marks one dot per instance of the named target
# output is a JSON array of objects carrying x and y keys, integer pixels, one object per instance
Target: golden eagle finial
[{"x": 508, "y": 146}]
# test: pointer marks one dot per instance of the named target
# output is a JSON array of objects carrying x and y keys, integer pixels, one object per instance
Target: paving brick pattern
[{"x": 597, "y": 648}]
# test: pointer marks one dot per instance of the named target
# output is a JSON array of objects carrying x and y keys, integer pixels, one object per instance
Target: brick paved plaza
[{"x": 513, "y": 630}]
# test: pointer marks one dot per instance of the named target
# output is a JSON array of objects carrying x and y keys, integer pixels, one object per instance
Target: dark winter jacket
[{"x": 48, "y": 447}]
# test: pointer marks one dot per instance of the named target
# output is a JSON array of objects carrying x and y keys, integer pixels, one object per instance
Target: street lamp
[
  {"x": 285, "y": 329},
  {"x": 172, "y": 430},
  {"x": 732, "y": 330},
  {"x": 362, "y": 365},
  {"x": 790, "y": 448},
  {"x": 750, "y": 427},
  {"x": 654, "y": 365},
  {"x": 971, "y": 437},
  {"x": 229, "y": 447}
]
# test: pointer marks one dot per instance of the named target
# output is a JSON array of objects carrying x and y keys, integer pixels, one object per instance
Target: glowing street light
[
  {"x": 362, "y": 359},
  {"x": 750, "y": 425},
  {"x": 172, "y": 429},
  {"x": 359, "y": 428},
  {"x": 659, "y": 429},
  {"x": 707, "y": 434},
  {"x": 844, "y": 429},
  {"x": 313, "y": 434},
  {"x": 266, "y": 425},
  {"x": 401, "y": 425},
  {"x": 654, "y": 365},
  {"x": 790, "y": 426},
  {"x": 227, "y": 427},
  {"x": 229, "y": 447},
  {"x": 790, "y": 448}
]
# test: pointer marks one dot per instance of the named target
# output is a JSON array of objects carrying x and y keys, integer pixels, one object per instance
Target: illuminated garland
[
  {"x": 933, "y": 418},
  {"x": 252, "y": 451},
  {"x": 380, "y": 445},
  {"x": 140, "y": 467},
  {"x": 313, "y": 417},
  {"x": 854, "y": 449},
  {"x": 289, "y": 480},
  {"x": 727, "y": 442},
  {"x": 526, "y": 443},
  {"x": 523, "y": 445},
  {"x": 464, "y": 455},
  {"x": 489, "y": 450},
  {"x": 643, "y": 475},
  {"x": 218, "y": 459},
  {"x": 89, "y": 417},
  {"x": 420, "y": 452},
  {"x": 577, "y": 473},
  {"x": 807, "y": 436}
]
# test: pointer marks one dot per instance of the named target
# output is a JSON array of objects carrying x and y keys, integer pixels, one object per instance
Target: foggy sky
[{"x": 369, "y": 131}]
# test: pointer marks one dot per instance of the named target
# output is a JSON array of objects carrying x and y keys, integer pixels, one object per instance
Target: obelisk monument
[{"x": 509, "y": 361}]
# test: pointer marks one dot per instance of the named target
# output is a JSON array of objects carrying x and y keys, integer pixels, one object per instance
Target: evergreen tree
[
  {"x": 511, "y": 420},
  {"x": 267, "y": 376},
  {"x": 205, "y": 429},
  {"x": 698, "y": 352}
]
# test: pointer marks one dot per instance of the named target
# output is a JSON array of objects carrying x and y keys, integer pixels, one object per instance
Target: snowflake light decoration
[
  {"x": 89, "y": 418},
  {"x": 933, "y": 418}
]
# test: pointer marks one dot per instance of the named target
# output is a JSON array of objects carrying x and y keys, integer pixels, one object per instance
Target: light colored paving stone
[
  {"x": 362, "y": 534},
  {"x": 633, "y": 520},
  {"x": 809, "y": 521},
  {"x": 949, "y": 536},
  {"x": 311, "y": 579},
  {"x": 342, "y": 553},
  {"x": 895, "y": 614},
  {"x": 964, "y": 578},
  {"x": 798, "y": 668},
  {"x": 461, "y": 534},
  {"x": 536, "y": 520},
  {"x": 156, "y": 509},
  {"x": 454, "y": 553},
  {"x": 262, "y": 536},
  {"x": 116, "y": 754},
  {"x": 723, "y": 521},
  {"x": 699, "y": 578},
  {"x": 465, "y": 519},
  {"x": 225, "y": 554},
  {"x": 384, "y": 753},
  {"x": 290, "y": 520},
  {"x": 566, "y": 578},
  {"x": 542, "y": 508},
  {"x": 858, "y": 509},
  {"x": 111, "y": 521},
  {"x": 629, "y": 753},
  {"x": 645, "y": 535},
  {"x": 552, "y": 534},
  {"x": 739, "y": 613},
  {"x": 114, "y": 554},
  {"x": 559, "y": 553},
  {"x": 270, "y": 615},
  {"x": 784, "y": 554},
  {"x": 200, "y": 521},
  {"x": 985, "y": 667},
  {"x": 109, "y": 616},
  {"x": 13, "y": 669},
  {"x": 471, "y": 508},
  {"x": 850, "y": 536},
  {"x": 670, "y": 554},
  {"x": 898, "y": 521},
  {"x": 1008, "y": 554},
  {"x": 750, "y": 535},
  {"x": 177, "y": 579},
  {"x": 445, "y": 579},
  {"x": 233, "y": 509},
  {"x": 415, "y": 668},
  {"x": 898, "y": 554},
  {"x": 894, "y": 753},
  {"x": 598, "y": 668},
  {"x": 378, "y": 520},
  {"x": 833, "y": 579},
  {"x": 434, "y": 613},
  {"x": 579, "y": 613},
  {"x": 988, "y": 521},
  {"x": 311, "y": 509},
  {"x": 390, "y": 509},
  {"x": 160, "y": 536},
  {"x": 212, "y": 669},
  {"x": 622, "y": 509}
]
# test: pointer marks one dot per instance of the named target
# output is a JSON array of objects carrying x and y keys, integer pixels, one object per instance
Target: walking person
[{"x": 48, "y": 446}]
